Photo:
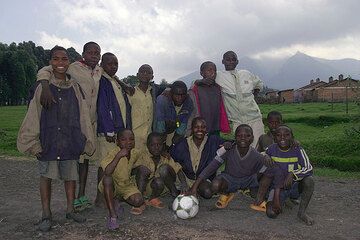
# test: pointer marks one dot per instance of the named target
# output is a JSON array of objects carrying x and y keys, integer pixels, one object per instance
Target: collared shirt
[
  {"x": 237, "y": 88},
  {"x": 141, "y": 114},
  {"x": 195, "y": 152},
  {"x": 145, "y": 160},
  {"x": 122, "y": 173}
]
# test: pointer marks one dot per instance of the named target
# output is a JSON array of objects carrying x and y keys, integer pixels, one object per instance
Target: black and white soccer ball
[{"x": 185, "y": 207}]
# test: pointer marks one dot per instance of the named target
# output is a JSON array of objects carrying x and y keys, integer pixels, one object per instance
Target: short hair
[
  {"x": 107, "y": 54},
  {"x": 178, "y": 85},
  {"x": 121, "y": 132},
  {"x": 274, "y": 114},
  {"x": 151, "y": 136},
  {"x": 87, "y": 45},
  {"x": 285, "y": 126},
  {"x": 243, "y": 126},
  {"x": 145, "y": 65},
  {"x": 196, "y": 119},
  {"x": 230, "y": 52},
  {"x": 58, "y": 48},
  {"x": 204, "y": 64}
]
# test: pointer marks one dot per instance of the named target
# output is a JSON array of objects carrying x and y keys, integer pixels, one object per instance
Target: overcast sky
[{"x": 175, "y": 37}]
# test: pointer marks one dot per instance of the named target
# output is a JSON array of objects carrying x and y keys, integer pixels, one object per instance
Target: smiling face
[
  {"x": 92, "y": 55},
  {"x": 60, "y": 63},
  {"x": 284, "y": 137},
  {"x": 230, "y": 60},
  {"x": 198, "y": 129},
  {"x": 126, "y": 140},
  {"x": 244, "y": 136}
]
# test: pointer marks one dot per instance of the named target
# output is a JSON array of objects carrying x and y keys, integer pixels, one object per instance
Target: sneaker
[
  {"x": 112, "y": 223},
  {"x": 44, "y": 225},
  {"x": 76, "y": 217}
]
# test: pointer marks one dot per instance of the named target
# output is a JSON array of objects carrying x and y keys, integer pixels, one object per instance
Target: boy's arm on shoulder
[{"x": 44, "y": 73}]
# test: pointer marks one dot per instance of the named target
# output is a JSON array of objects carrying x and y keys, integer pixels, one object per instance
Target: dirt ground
[{"x": 335, "y": 207}]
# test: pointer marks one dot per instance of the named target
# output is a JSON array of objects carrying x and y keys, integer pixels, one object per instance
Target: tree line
[{"x": 19, "y": 64}]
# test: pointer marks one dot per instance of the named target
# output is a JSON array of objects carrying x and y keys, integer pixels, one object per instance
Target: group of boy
[{"x": 148, "y": 141}]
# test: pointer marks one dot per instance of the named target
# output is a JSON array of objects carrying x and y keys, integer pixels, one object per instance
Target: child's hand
[
  {"x": 288, "y": 181},
  {"x": 46, "y": 97},
  {"x": 184, "y": 188},
  {"x": 166, "y": 154},
  {"x": 192, "y": 191},
  {"x": 110, "y": 139},
  {"x": 123, "y": 153},
  {"x": 268, "y": 162},
  {"x": 227, "y": 145}
]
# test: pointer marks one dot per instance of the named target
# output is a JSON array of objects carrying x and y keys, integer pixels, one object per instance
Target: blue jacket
[
  {"x": 181, "y": 154},
  {"x": 109, "y": 118},
  {"x": 165, "y": 111}
]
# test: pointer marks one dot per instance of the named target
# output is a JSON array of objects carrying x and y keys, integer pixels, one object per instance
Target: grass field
[{"x": 325, "y": 131}]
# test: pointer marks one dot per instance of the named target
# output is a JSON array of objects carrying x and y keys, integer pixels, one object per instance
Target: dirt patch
[{"x": 335, "y": 208}]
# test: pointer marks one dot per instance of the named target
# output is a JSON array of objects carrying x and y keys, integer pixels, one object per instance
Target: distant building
[
  {"x": 272, "y": 97},
  {"x": 307, "y": 92},
  {"x": 338, "y": 90},
  {"x": 286, "y": 96}
]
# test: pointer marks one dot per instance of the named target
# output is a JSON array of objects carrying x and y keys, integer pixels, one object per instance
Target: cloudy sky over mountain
[{"x": 176, "y": 36}]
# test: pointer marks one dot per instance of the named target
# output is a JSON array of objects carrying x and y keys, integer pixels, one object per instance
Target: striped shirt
[{"x": 294, "y": 160}]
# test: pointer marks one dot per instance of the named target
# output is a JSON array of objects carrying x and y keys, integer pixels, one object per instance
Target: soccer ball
[{"x": 185, "y": 207}]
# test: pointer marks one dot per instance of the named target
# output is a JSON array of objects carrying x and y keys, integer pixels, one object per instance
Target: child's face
[
  {"x": 156, "y": 146},
  {"x": 273, "y": 123},
  {"x": 145, "y": 74},
  {"x": 110, "y": 65},
  {"x": 209, "y": 72},
  {"x": 127, "y": 140},
  {"x": 92, "y": 55},
  {"x": 59, "y": 61},
  {"x": 284, "y": 138},
  {"x": 178, "y": 96},
  {"x": 230, "y": 61},
  {"x": 199, "y": 129},
  {"x": 244, "y": 137}
]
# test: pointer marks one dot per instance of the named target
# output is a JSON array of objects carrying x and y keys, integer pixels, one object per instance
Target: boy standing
[
  {"x": 154, "y": 172},
  {"x": 57, "y": 136},
  {"x": 242, "y": 163},
  {"x": 173, "y": 113},
  {"x": 113, "y": 111},
  {"x": 87, "y": 74},
  {"x": 238, "y": 89},
  {"x": 143, "y": 103},
  {"x": 208, "y": 101}
]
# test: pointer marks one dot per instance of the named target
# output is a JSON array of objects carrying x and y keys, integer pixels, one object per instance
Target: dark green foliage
[
  {"x": 18, "y": 67},
  {"x": 131, "y": 79}
]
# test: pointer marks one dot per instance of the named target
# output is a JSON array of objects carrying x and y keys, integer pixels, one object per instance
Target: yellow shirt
[
  {"x": 122, "y": 173},
  {"x": 146, "y": 160},
  {"x": 142, "y": 115},
  {"x": 195, "y": 152}
]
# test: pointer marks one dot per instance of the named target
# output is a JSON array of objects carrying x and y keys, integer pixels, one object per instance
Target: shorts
[
  {"x": 235, "y": 183},
  {"x": 124, "y": 191},
  {"x": 67, "y": 170},
  {"x": 292, "y": 193}
]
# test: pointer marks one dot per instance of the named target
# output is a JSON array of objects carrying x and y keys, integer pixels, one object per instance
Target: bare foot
[{"x": 306, "y": 218}]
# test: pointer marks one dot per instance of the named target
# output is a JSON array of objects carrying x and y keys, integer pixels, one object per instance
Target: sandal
[
  {"x": 260, "y": 208},
  {"x": 155, "y": 202},
  {"x": 137, "y": 210},
  {"x": 81, "y": 203},
  {"x": 112, "y": 223},
  {"x": 224, "y": 200}
]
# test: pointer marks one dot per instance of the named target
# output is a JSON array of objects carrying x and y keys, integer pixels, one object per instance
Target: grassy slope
[{"x": 319, "y": 129}]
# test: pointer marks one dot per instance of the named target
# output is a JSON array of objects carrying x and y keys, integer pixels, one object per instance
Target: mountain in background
[{"x": 293, "y": 72}]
